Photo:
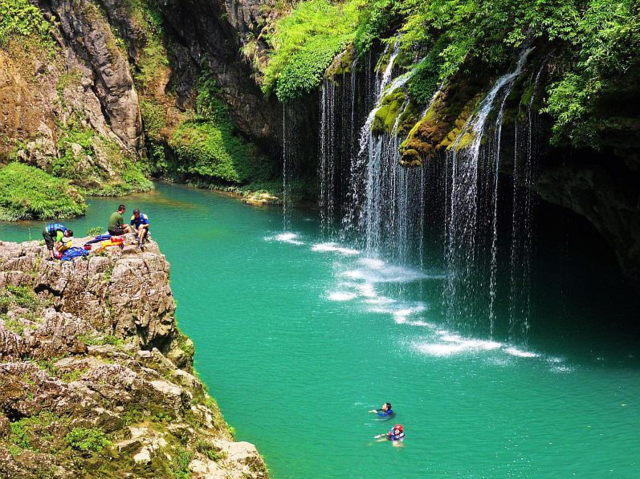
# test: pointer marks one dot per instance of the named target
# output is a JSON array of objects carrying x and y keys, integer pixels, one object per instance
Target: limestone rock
[{"x": 87, "y": 349}]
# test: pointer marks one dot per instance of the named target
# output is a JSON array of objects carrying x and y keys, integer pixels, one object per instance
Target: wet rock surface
[{"x": 95, "y": 377}]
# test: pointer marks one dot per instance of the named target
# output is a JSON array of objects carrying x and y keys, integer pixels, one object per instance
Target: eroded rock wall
[{"x": 95, "y": 378}]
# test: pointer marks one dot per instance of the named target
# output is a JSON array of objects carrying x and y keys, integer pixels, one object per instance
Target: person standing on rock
[
  {"x": 140, "y": 224},
  {"x": 54, "y": 234},
  {"x": 116, "y": 223}
]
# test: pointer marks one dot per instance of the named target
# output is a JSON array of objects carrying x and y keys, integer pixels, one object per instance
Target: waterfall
[
  {"x": 524, "y": 164},
  {"x": 286, "y": 160},
  {"x": 327, "y": 172},
  {"x": 469, "y": 167},
  {"x": 383, "y": 202},
  {"x": 383, "y": 206},
  {"x": 494, "y": 159},
  {"x": 386, "y": 211}
]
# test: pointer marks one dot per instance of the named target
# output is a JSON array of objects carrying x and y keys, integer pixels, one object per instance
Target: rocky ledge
[{"x": 95, "y": 378}]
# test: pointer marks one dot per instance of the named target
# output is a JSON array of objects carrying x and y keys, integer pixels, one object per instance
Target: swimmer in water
[
  {"x": 384, "y": 412},
  {"x": 395, "y": 435}
]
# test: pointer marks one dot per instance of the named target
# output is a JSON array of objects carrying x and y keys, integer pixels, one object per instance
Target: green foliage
[
  {"x": 95, "y": 231},
  {"x": 30, "y": 193},
  {"x": 205, "y": 447},
  {"x": 604, "y": 62},
  {"x": 78, "y": 142},
  {"x": 73, "y": 375},
  {"x": 153, "y": 59},
  {"x": 426, "y": 78},
  {"x": 380, "y": 18},
  {"x": 87, "y": 440},
  {"x": 304, "y": 43},
  {"x": 153, "y": 118},
  {"x": 22, "y": 18},
  {"x": 209, "y": 151},
  {"x": 181, "y": 464},
  {"x": 19, "y": 435},
  {"x": 65, "y": 166},
  {"x": 29, "y": 431},
  {"x": 23, "y": 296},
  {"x": 595, "y": 58},
  {"x": 305, "y": 69},
  {"x": 101, "y": 340},
  {"x": 206, "y": 145}
]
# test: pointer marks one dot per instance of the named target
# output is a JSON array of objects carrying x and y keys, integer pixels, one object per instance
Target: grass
[
  {"x": 87, "y": 439},
  {"x": 30, "y": 193},
  {"x": 101, "y": 340}
]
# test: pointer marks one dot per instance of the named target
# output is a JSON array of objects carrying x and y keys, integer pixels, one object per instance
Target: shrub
[
  {"x": 20, "y": 17},
  {"x": 87, "y": 440},
  {"x": 29, "y": 193},
  {"x": 206, "y": 145},
  {"x": 304, "y": 43},
  {"x": 95, "y": 231}
]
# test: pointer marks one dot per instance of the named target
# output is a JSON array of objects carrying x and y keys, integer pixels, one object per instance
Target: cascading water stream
[
  {"x": 494, "y": 159},
  {"x": 285, "y": 171},
  {"x": 463, "y": 246},
  {"x": 524, "y": 163},
  {"x": 327, "y": 156}
]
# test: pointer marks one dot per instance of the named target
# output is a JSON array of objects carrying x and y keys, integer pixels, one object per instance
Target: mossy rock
[
  {"x": 408, "y": 118},
  {"x": 389, "y": 111},
  {"x": 341, "y": 64}
]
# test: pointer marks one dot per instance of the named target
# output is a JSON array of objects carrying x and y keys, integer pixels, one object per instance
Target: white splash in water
[
  {"x": 334, "y": 248},
  {"x": 400, "y": 316},
  {"x": 457, "y": 347},
  {"x": 520, "y": 353},
  {"x": 290, "y": 238},
  {"x": 388, "y": 274},
  {"x": 341, "y": 296}
]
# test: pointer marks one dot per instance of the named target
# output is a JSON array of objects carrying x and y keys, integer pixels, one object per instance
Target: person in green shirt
[{"x": 116, "y": 223}]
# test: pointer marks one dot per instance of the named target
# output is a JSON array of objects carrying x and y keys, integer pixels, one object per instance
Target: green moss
[
  {"x": 388, "y": 112},
  {"x": 87, "y": 440},
  {"x": 342, "y": 64},
  {"x": 29, "y": 193}
]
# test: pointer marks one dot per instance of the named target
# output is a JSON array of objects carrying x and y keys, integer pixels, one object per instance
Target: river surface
[{"x": 298, "y": 339}]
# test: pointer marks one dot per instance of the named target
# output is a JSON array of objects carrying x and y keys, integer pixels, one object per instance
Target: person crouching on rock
[
  {"x": 140, "y": 224},
  {"x": 116, "y": 223},
  {"x": 55, "y": 235}
]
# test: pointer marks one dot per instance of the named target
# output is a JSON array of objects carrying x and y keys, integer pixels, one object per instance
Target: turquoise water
[{"x": 297, "y": 341}]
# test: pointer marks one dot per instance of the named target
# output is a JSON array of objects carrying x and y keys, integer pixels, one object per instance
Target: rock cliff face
[
  {"x": 95, "y": 378},
  {"x": 69, "y": 106}
]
